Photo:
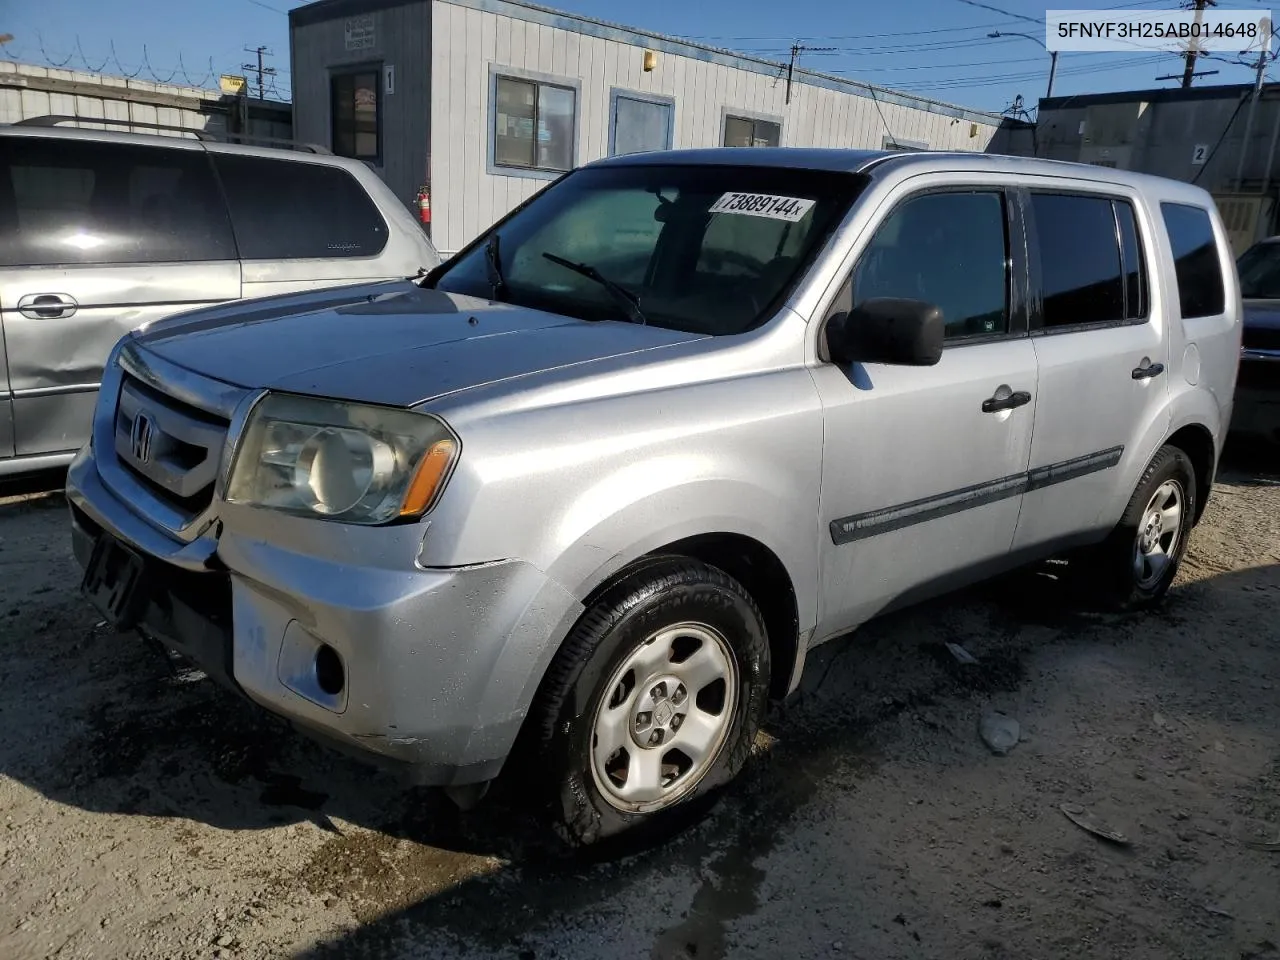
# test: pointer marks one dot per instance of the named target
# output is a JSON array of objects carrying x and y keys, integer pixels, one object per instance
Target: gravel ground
[{"x": 148, "y": 814}]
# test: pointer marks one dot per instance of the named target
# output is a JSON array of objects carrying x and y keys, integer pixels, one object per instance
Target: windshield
[
  {"x": 1259, "y": 268},
  {"x": 705, "y": 249}
]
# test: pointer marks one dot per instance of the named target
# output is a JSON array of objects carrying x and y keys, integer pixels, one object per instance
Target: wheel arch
[
  {"x": 1195, "y": 440},
  {"x": 762, "y": 574}
]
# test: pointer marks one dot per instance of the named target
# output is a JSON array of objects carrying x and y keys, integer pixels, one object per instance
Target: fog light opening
[{"x": 330, "y": 675}]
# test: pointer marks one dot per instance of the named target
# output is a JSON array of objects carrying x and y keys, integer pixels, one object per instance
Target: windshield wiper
[
  {"x": 494, "y": 262},
  {"x": 629, "y": 302}
]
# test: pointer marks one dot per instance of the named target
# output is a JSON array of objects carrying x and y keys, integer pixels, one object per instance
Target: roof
[
  {"x": 323, "y": 11},
  {"x": 796, "y": 158},
  {"x": 1222, "y": 91},
  {"x": 863, "y": 161}
]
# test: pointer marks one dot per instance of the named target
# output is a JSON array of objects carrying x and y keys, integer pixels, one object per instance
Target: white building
[{"x": 451, "y": 92}]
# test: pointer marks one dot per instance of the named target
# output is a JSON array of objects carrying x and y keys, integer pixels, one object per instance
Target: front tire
[
  {"x": 653, "y": 702},
  {"x": 1138, "y": 562}
]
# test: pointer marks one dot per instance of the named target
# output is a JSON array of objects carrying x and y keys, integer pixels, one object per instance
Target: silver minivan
[
  {"x": 102, "y": 232},
  {"x": 588, "y": 493}
]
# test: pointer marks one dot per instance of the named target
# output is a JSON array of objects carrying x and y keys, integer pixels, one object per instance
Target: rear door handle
[
  {"x": 1005, "y": 401},
  {"x": 1148, "y": 371},
  {"x": 47, "y": 306}
]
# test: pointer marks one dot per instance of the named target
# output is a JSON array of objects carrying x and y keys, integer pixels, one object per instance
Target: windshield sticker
[{"x": 790, "y": 209}]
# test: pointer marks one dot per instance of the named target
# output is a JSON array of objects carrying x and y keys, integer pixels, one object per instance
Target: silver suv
[
  {"x": 102, "y": 232},
  {"x": 603, "y": 478}
]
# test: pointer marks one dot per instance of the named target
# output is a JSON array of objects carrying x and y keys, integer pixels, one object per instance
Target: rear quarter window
[
  {"x": 1195, "y": 258},
  {"x": 282, "y": 210}
]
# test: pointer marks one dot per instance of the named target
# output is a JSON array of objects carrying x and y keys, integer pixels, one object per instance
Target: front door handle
[
  {"x": 1147, "y": 371},
  {"x": 1005, "y": 400},
  {"x": 47, "y": 306}
]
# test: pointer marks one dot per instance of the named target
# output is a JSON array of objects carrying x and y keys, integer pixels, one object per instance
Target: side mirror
[{"x": 887, "y": 330}]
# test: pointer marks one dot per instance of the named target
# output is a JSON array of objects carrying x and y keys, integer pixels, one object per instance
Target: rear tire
[
  {"x": 652, "y": 704},
  {"x": 1138, "y": 562}
]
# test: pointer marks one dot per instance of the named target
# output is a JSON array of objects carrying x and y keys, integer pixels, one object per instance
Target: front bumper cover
[{"x": 440, "y": 664}]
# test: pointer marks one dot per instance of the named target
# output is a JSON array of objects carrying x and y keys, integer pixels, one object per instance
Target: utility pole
[
  {"x": 1253, "y": 107},
  {"x": 1193, "y": 50},
  {"x": 260, "y": 70},
  {"x": 796, "y": 50}
]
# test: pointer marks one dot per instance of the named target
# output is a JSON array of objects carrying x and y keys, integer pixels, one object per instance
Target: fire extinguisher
[{"x": 424, "y": 206}]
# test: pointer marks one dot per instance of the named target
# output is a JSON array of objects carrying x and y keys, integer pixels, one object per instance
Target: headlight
[{"x": 340, "y": 461}]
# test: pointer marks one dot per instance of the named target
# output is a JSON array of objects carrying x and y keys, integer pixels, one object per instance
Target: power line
[
  {"x": 958, "y": 83},
  {"x": 857, "y": 36},
  {"x": 1007, "y": 13}
]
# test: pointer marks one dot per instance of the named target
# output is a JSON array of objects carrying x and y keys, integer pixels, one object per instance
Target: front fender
[{"x": 596, "y": 551}]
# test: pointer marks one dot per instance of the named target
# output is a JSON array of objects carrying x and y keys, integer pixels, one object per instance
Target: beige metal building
[
  {"x": 27, "y": 91},
  {"x": 487, "y": 100},
  {"x": 1218, "y": 137}
]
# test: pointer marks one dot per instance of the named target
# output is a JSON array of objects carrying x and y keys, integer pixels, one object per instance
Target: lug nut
[
  {"x": 659, "y": 692},
  {"x": 676, "y": 721},
  {"x": 655, "y": 738}
]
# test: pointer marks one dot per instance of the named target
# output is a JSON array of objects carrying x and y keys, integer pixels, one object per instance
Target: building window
[
  {"x": 891, "y": 143},
  {"x": 640, "y": 122},
  {"x": 751, "y": 132},
  {"x": 356, "y": 114},
  {"x": 533, "y": 124}
]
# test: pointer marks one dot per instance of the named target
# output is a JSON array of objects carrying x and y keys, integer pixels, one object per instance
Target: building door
[{"x": 639, "y": 123}]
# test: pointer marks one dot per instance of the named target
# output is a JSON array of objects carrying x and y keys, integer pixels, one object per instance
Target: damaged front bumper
[{"x": 427, "y": 671}]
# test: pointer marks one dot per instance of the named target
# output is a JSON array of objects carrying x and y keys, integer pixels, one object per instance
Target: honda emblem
[{"x": 140, "y": 437}]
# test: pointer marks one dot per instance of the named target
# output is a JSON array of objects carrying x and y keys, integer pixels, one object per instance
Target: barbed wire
[{"x": 144, "y": 69}]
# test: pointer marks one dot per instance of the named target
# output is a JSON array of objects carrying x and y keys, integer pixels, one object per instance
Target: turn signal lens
[{"x": 429, "y": 478}]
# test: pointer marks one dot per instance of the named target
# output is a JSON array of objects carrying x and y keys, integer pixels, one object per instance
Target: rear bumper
[{"x": 438, "y": 666}]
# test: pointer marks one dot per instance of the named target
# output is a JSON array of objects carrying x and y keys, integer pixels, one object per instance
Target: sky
[{"x": 937, "y": 48}]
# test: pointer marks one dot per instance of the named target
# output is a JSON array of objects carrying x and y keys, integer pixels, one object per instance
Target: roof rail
[{"x": 53, "y": 120}]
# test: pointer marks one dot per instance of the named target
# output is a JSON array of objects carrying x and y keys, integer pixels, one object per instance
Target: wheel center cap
[
  {"x": 663, "y": 713},
  {"x": 1151, "y": 532}
]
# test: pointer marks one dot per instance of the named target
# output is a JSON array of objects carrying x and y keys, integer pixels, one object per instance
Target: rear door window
[
  {"x": 65, "y": 201},
  {"x": 284, "y": 210},
  {"x": 1081, "y": 273},
  {"x": 1195, "y": 260}
]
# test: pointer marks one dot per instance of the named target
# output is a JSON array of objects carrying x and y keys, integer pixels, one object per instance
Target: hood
[
  {"x": 392, "y": 343},
  {"x": 1262, "y": 314}
]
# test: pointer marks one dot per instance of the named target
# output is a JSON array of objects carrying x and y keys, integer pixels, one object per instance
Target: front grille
[{"x": 171, "y": 447}]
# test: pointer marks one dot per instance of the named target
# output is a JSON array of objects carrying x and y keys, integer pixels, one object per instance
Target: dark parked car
[{"x": 1257, "y": 406}]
